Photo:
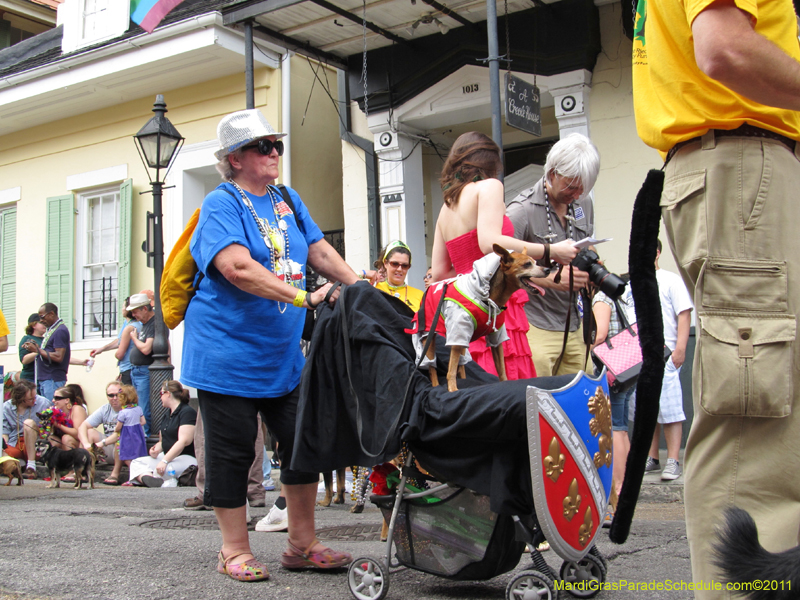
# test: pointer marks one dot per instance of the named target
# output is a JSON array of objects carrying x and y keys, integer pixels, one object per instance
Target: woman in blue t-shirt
[{"x": 241, "y": 346}]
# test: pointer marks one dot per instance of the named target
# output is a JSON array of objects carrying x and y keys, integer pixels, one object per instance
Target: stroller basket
[{"x": 453, "y": 533}]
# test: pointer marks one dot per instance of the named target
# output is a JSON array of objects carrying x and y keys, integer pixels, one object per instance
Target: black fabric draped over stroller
[{"x": 475, "y": 437}]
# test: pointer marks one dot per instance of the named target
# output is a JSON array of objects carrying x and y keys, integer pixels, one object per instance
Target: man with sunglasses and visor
[
  {"x": 106, "y": 416},
  {"x": 558, "y": 208},
  {"x": 242, "y": 337}
]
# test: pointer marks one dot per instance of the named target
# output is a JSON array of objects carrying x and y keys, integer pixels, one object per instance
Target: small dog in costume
[{"x": 472, "y": 308}]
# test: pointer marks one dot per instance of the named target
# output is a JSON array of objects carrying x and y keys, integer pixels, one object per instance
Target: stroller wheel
[
  {"x": 531, "y": 585},
  {"x": 585, "y": 577},
  {"x": 597, "y": 554},
  {"x": 368, "y": 579}
]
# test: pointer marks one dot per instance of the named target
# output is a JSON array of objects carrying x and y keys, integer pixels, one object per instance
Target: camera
[{"x": 587, "y": 260}]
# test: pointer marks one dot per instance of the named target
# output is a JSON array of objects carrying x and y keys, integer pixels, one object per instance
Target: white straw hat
[
  {"x": 137, "y": 301},
  {"x": 240, "y": 128}
]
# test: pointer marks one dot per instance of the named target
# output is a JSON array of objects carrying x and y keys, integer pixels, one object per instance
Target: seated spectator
[
  {"x": 106, "y": 416},
  {"x": 34, "y": 332},
  {"x": 176, "y": 440},
  {"x": 21, "y": 425},
  {"x": 74, "y": 407}
]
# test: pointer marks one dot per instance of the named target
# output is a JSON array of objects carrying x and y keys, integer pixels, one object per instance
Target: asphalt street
[{"x": 137, "y": 543}]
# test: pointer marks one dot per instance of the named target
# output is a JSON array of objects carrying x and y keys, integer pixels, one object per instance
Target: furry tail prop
[
  {"x": 641, "y": 264},
  {"x": 743, "y": 560}
]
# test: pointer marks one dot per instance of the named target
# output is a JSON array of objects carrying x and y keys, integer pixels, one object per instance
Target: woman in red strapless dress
[{"x": 471, "y": 220}]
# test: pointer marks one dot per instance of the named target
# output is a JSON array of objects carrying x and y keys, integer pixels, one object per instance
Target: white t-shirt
[{"x": 674, "y": 300}]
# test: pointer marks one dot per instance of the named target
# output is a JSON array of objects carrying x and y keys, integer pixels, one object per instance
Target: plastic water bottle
[
  {"x": 170, "y": 478},
  {"x": 89, "y": 365}
]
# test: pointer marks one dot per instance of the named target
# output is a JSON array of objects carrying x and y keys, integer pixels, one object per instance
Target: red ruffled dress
[{"x": 464, "y": 250}]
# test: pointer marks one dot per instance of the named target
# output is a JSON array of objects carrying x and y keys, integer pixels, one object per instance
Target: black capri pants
[{"x": 231, "y": 428}]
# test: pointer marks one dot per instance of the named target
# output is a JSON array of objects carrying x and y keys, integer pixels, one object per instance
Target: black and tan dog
[
  {"x": 61, "y": 461},
  {"x": 10, "y": 468}
]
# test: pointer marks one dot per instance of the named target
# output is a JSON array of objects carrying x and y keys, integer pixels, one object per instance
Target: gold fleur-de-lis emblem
[
  {"x": 600, "y": 424},
  {"x": 572, "y": 501},
  {"x": 554, "y": 462},
  {"x": 585, "y": 530}
]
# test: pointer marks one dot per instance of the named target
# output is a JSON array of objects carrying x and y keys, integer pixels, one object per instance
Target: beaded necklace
[
  {"x": 275, "y": 238},
  {"x": 394, "y": 289},
  {"x": 550, "y": 237}
]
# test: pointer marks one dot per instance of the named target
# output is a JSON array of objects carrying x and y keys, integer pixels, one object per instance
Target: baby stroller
[{"x": 450, "y": 531}]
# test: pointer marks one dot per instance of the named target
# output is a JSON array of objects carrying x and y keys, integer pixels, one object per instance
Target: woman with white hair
[{"x": 242, "y": 337}]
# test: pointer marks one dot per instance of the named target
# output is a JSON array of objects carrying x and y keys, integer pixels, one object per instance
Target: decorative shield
[{"x": 569, "y": 441}]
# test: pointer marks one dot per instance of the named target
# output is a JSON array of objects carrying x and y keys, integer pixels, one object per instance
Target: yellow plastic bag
[{"x": 177, "y": 280}]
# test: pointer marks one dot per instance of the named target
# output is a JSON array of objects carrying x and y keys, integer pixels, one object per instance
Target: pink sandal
[
  {"x": 294, "y": 558},
  {"x": 249, "y": 570}
]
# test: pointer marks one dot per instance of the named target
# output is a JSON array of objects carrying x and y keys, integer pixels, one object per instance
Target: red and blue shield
[{"x": 569, "y": 440}]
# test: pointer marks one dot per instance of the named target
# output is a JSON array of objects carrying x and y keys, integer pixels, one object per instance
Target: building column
[
  {"x": 402, "y": 210},
  {"x": 572, "y": 109}
]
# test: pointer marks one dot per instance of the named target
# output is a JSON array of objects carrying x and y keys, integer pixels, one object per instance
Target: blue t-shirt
[{"x": 234, "y": 342}]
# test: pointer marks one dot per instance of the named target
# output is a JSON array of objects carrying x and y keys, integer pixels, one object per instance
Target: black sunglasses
[
  {"x": 265, "y": 147},
  {"x": 60, "y": 398}
]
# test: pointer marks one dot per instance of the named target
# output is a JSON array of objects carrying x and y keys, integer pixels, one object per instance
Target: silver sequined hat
[{"x": 240, "y": 128}]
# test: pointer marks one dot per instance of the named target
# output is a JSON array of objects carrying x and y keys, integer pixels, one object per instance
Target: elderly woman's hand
[{"x": 315, "y": 298}]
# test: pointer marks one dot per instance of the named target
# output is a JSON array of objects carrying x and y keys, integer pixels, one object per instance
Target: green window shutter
[
  {"x": 124, "y": 255},
  {"x": 60, "y": 256},
  {"x": 8, "y": 271}
]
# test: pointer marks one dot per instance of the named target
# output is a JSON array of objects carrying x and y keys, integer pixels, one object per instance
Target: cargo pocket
[
  {"x": 745, "y": 364},
  {"x": 684, "y": 214}
]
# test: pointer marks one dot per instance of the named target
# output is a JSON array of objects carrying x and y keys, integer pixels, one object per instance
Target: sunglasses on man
[{"x": 265, "y": 147}]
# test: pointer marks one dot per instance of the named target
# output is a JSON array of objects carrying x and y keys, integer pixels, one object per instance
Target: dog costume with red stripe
[
  {"x": 467, "y": 311},
  {"x": 471, "y": 307}
]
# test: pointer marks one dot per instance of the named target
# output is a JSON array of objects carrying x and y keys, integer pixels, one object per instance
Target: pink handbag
[{"x": 622, "y": 355}]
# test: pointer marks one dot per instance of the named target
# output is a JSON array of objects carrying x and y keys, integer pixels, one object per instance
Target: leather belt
[{"x": 745, "y": 130}]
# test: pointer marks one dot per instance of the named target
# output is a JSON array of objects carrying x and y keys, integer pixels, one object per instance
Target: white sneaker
[
  {"x": 651, "y": 465},
  {"x": 672, "y": 470},
  {"x": 276, "y": 520}
]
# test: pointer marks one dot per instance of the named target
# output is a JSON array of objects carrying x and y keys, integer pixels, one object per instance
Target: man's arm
[
  {"x": 729, "y": 50},
  {"x": 145, "y": 347},
  {"x": 684, "y": 324},
  {"x": 580, "y": 279}
]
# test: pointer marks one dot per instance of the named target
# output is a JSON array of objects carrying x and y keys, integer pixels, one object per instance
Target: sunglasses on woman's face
[
  {"x": 398, "y": 265},
  {"x": 265, "y": 147}
]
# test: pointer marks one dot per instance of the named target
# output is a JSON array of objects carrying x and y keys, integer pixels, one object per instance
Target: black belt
[{"x": 745, "y": 130}]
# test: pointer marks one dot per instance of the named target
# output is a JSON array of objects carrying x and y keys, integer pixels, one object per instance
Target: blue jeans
[
  {"x": 619, "y": 409},
  {"x": 48, "y": 387},
  {"x": 140, "y": 375}
]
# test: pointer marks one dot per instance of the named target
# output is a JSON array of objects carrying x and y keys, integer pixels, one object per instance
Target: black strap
[
  {"x": 569, "y": 316},
  {"x": 347, "y": 359}
]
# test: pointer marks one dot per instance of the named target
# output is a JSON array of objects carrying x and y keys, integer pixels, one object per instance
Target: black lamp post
[{"x": 158, "y": 143}]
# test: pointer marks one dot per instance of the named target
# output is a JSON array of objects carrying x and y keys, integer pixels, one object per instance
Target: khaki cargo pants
[{"x": 731, "y": 207}]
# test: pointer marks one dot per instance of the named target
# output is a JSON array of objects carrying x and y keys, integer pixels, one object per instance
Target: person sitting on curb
[
  {"x": 176, "y": 440},
  {"x": 106, "y": 416},
  {"x": 21, "y": 425}
]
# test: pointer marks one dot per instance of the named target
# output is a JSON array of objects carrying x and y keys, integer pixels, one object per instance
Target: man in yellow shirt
[
  {"x": 716, "y": 91},
  {"x": 4, "y": 331}
]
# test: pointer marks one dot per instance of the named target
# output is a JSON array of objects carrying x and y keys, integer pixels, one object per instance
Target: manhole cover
[
  {"x": 351, "y": 533},
  {"x": 190, "y": 523}
]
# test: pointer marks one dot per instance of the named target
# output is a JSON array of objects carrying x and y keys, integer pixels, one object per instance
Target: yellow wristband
[{"x": 299, "y": 298}]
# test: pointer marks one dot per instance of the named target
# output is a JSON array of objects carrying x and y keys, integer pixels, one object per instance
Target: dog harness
[{"x": 467, "y": 311}]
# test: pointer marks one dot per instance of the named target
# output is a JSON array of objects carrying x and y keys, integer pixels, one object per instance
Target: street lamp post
[{"x": 158, "y": 143}]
